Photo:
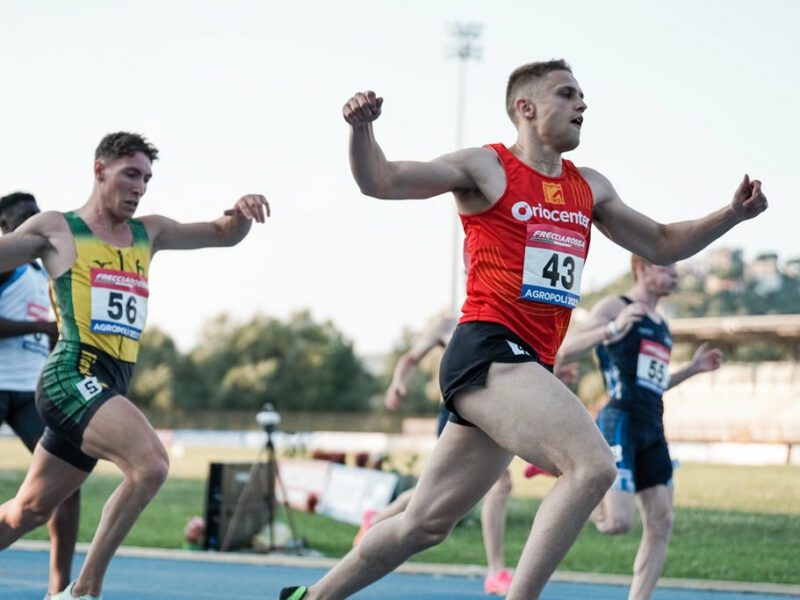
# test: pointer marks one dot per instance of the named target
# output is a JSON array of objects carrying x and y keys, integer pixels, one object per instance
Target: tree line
[{"x": 297, "y": 365}]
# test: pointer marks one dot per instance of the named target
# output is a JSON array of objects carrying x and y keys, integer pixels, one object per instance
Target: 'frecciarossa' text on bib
[{"x": 554, "y": 259}]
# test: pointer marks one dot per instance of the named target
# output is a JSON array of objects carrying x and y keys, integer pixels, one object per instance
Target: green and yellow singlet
[{"x": 102, "y": 300}]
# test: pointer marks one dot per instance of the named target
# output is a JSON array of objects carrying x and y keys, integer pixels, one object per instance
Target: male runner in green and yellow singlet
[{"x": 98, "y": 260}]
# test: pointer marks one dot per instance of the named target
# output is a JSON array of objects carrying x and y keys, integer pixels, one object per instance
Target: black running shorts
[
  {"x": 18, "y": 410},
  {"x": 470, "y": 353},
  {"x": 640, "y": 450},
  {"x": 76, "y": 380}
]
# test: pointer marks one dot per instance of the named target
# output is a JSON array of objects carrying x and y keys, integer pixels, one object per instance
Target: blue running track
[{"x": 23, "y": 575}]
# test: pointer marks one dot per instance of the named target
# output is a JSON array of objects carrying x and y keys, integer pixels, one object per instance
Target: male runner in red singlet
[
  {"x": 98, "y": 260},
  {"x": 527, "y": 214}
]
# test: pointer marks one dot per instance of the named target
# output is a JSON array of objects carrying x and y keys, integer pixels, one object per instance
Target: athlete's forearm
[
  {"x": 10, "y": 328},
  {"x": 232, "y": 229},
  {"x": 404, "y": 369},
  {"x": 684, "y": 239},
  {"x": 17, "y": 250},
  {"x": 368, "y": 162},
  {"x": 682, "y": 375},
  {"x": 578, "y": 342}
]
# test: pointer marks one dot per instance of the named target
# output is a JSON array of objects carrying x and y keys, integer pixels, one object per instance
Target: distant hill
[{"x": 721, "y": 283}]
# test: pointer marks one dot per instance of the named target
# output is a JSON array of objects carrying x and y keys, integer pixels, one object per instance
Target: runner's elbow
[{"x": 375, "y": 189}]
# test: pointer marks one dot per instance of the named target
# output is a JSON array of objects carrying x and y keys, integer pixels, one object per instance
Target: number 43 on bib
[{"x": 554, "y": 259}]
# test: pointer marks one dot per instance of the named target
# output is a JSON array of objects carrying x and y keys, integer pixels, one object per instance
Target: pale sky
[{"x": 243, "y": 96}]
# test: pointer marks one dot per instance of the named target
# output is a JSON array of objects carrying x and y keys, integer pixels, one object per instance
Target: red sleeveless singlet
[{"x": 526, "y": 253}]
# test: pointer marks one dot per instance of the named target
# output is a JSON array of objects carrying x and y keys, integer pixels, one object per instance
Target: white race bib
[
  {"x": 554, "y": 259},
  {"x": 119, "y": 303},
  {"x": 652, "y": 368}
]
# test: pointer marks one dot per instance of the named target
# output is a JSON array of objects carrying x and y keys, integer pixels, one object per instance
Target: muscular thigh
[
  {"x": 119, "y": 432},
  {"x": 530, "y": 413}
]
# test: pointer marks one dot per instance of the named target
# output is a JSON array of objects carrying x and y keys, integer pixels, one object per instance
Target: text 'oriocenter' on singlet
[
  {"x": 102, "y": 300},
  {"x": 526, "y": 253}
]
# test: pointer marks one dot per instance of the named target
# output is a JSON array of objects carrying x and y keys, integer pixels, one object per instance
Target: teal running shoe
[{"x": 293, "y": 593}]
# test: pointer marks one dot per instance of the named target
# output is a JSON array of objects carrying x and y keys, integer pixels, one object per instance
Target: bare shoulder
[
  {"x": 471, "y": 160},
  {"x": 155, "y": 224},
  {"x": 46, "y": 223},
  {"x": 55, "y": 245},
  {"x": 601, "y": 186},
  {"x": 609, "y": 306},
  {"x": 603, "y": 312},
  {"x": 485, "y": 170},
  {"x": 51, "y": 229},
  {"x": 153, "y": 220}
]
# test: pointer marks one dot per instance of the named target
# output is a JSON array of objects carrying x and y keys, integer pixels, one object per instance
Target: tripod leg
[
  {"x": 237, "y": 512},
  {"x": 286, "y": 507}
]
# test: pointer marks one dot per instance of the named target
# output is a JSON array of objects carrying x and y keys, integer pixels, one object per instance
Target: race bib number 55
[
  {"x": 119, "y": 303},
  {"x": 554, "y": 259},
  {"x": 652, "y": 368}
]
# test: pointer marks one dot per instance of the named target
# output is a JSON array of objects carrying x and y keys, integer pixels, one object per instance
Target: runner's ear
[
  {"x": 99, "y": 169},
  {"x": 525, "y": 107}
]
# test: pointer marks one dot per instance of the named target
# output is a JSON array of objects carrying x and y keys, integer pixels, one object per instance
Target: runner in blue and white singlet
[{"x": 27, "y": 332}]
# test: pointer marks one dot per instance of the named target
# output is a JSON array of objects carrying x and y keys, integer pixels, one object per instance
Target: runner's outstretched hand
[
  {"x": 252, "y": 206},
  {"x": 706, "y": 359}
]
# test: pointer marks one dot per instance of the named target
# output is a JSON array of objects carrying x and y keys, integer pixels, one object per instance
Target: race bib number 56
[
  {"x": 554, "y": 259},
  {"x": 119, "y": 303}
]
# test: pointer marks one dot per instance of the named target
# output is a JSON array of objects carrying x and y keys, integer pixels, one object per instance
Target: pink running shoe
[
  {"x": 366, "y": 522},
  {"x": 497, "y": 584},
  {"x": 533, "y": 471}
]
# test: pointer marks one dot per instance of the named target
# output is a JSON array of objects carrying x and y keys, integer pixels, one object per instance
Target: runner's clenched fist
[{"x": 362, "y": 108}]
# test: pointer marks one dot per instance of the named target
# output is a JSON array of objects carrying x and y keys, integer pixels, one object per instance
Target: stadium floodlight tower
[{"x": 466, "y": 48}]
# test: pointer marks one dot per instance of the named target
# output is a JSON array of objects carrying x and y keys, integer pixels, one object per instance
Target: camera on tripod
[
  {"x": 268, "y": 417},
  {"x": 260, "y": 489}
]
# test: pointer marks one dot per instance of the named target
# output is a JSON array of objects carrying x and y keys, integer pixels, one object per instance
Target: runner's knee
[
  {"x": 658, "y": 523},
  {"x": 31, "y": 512},
  {"x": 598, "y": 474},
  {"x": 151, "y": 475},
  {"x": 425, "y": 531},
  {"x": 618, "y": 524}
]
